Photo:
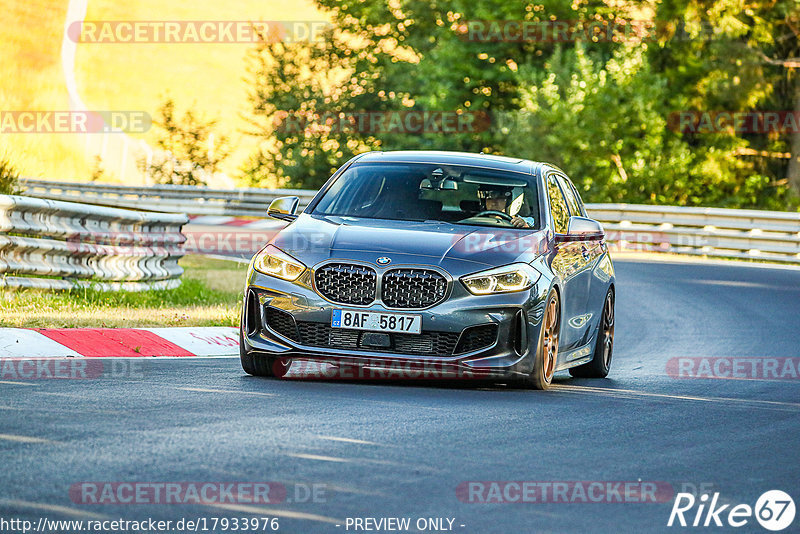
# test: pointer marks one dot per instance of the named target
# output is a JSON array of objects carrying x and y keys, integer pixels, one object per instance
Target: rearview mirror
[
  {"x": 585, "y": 229},
  {"x": 438, "y": 185},
  {"x": 284, "y": 208}
]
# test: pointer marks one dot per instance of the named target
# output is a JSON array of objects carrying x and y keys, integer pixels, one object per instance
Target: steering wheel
[{"x": 500, "y": 214}]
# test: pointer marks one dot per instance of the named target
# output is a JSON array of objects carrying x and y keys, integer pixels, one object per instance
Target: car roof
[{"x": 487, "y": 161}]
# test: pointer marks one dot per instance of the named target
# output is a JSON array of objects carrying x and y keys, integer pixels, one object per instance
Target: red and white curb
[{"x": 184, "y": 342}]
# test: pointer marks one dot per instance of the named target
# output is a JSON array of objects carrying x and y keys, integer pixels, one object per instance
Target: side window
[
  {"x": 578, "y": 198},
  {"x": 569, "y": 195},
  {"x": 558, "y": 207}
]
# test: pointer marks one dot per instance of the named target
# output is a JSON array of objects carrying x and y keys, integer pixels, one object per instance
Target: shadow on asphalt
[{"x": 486, "y": 385}]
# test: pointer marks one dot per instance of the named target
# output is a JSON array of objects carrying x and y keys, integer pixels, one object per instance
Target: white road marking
[
  {"x": 349, "y": 440},
  {"x": 54, "y": 410},
  {"x": 318, "y": 457},
  {"x": 16, "y": 503},
  {"x": 238, "y": 392},
  {"x": 629, "y": 393},
  {"x": 737, "y": 283},
  {"x": 666, "y": 257},
  {"x": 24, "y": 439},
  {"x": 11, "y": 382}
]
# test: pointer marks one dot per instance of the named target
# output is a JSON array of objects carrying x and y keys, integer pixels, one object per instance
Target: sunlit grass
[
  {"x": 210, "y": 79},
  {"x": 210, "y": 295},
  {"x": 31, "y": 79}
]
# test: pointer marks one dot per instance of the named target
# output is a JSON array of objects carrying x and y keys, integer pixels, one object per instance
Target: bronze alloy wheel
[
  {"x": 544, "y": 365},
  {"x": 550, "y": 341}
]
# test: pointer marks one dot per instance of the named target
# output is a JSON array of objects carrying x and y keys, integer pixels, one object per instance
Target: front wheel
[
  {"x": 604, "y": 347},
  {"x": 544, "y": 364},
  {"x": 258, "y": 365}
]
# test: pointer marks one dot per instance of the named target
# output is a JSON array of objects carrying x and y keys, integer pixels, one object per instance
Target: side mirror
[
  {"x": 583, "y": 229},
  {"x": 284, "y": 208}
]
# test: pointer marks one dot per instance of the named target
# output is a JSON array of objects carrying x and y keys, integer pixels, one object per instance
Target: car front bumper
[{"x": 516, "y": 316}]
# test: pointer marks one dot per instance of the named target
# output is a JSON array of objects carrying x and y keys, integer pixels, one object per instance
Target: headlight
[
  {"x": 274, "y": 262},
  {"x": 507, "y": 279}
]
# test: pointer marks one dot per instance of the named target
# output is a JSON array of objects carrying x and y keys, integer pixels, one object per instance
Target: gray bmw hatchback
[{"x": 472, "y": 265}]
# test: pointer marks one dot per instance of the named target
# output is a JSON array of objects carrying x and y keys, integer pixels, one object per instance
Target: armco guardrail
[
  {"x": 63, "y": 245},
  {"x": 193, "y": 200},
  {"x": 754, "y": 234}
]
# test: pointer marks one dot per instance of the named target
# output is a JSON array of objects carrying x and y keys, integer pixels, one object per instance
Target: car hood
[{"x": 458, "y": 249}]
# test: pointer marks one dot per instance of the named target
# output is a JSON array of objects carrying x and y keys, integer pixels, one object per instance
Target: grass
[
  {"x": 31, "y": 79},
  {"x": 210, "y": 79},
  {"x": 210, "y": 295}
]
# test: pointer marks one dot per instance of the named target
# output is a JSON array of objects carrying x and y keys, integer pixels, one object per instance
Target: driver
[{"x": 499, "y": 199}]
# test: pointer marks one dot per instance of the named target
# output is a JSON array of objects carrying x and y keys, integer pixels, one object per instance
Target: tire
[
  {"x": 544, "y": 364},
  {"x": 257, "y": 365},
  {"x": 604, "y": 346}
]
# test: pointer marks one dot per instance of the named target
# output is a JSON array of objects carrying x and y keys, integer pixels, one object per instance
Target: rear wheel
[
  {"x": 604, "y": 347},
  {"x": 544, "y": 365}
]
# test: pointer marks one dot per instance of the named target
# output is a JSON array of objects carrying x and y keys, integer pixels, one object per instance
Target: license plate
[{"x": 376, "y": 322}]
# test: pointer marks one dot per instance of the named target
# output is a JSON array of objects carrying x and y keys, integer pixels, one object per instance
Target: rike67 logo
[{"x": 774, "y": 510}]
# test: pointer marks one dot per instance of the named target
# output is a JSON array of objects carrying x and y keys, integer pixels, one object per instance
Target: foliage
[
  {"x": 9, "y": 177},
  {"x": 98, "y": 172},
  {"x": 600, "y": 109},
  {"x": 188, "y": 151}
]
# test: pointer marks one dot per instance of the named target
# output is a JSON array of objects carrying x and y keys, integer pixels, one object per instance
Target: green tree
[
  {"x": 185, "y": 153},
  {"x": 732, "y": 56},
  {"x": 295, "y": 85},
  {"x": 602, "y": 123},
  {"x": 600, "y": 108},
  {"x": 410, "y": 55},
  {"x": 9, "y": 178}
]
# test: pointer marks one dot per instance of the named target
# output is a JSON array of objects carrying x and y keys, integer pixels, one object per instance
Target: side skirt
[{"x": 576, "y": 357}]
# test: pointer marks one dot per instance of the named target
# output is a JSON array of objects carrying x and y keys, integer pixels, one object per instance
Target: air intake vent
[
  {"x": 282, "y": 323},
  {"x": 427, "y": 343},
  {"x": 252, "y": 315},
  {"x": 476, "y": 338}
]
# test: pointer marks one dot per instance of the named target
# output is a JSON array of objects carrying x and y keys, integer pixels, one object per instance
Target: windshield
[{"x": 430, "y": 192}]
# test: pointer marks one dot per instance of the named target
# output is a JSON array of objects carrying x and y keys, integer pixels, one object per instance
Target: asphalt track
[{"x": 396, "y": 449}]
